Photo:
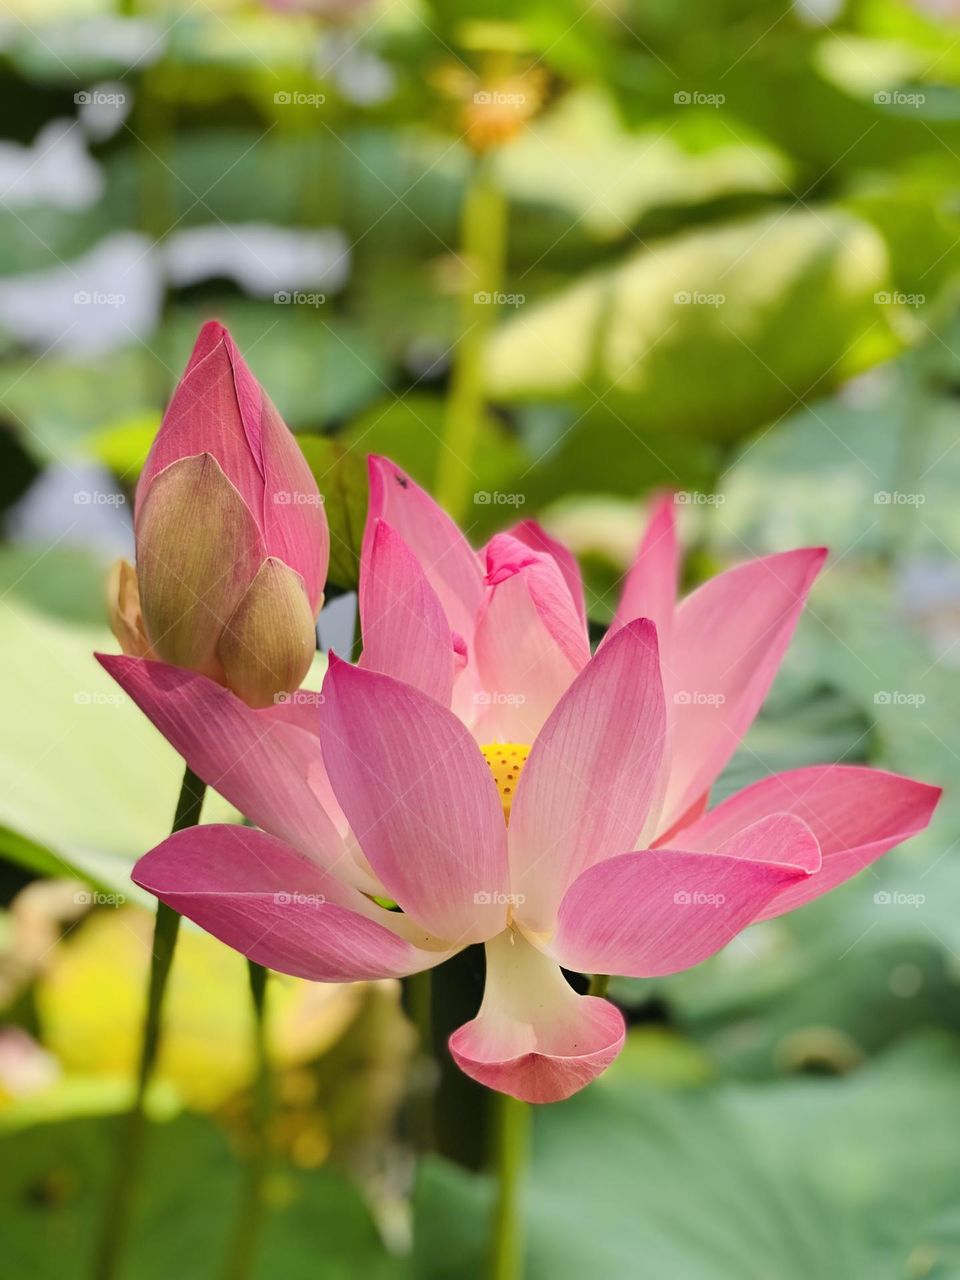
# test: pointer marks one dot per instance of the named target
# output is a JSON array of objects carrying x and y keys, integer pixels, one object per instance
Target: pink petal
[
  {"x": 531, "y": 641},
  {"x": 534, "y": 1037},
  {"x": 659, "y": 911},
  {"x": 451, "y": 566},
  {"x": 420, "y": 800},
  {"x": 856, "y": 814},
  {"x": 294, "y": 519},
  {"x": 650, "y": 589},
  {"x": 261, "y": 764},
  {"x": 405, "y": 631},
  {"x": 588, "y": 785},
  {"x": 535, "y": 536},
  {"x": 259, "y": 897},
  {"x": 729, "y": 637}
]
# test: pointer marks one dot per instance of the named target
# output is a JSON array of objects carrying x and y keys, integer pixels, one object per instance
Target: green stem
[
  {"x": 418, "y": 1000},
  {"x": 483, "y": 229},
  {"x": 599, "y": 984},
  {"x": 126, "y": 1176},
  {"x": 243, "y": 1251},
  {"x": 511, "y": 1154}
]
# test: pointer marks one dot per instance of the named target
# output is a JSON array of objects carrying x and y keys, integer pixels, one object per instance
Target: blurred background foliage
[{"x": 601, "y": 249}]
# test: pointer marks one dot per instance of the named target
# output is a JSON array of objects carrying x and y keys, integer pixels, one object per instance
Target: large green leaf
[
  {"x": 86, "y": 776},
  {"x": 853, "y": 1177},
  {"x": 54, "y": 1176},
  {"x": 712, "y": 333}
]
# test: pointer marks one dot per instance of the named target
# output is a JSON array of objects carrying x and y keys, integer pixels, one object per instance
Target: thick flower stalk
[
  {"x": 231, "y": 536},
  {"x": 483, "y": 771}
]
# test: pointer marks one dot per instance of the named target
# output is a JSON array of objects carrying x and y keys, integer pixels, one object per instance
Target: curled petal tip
[{"x": 535, "y": 1038}]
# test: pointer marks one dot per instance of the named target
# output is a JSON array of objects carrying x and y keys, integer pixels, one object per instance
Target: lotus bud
[{"x": 231, "y": 536}]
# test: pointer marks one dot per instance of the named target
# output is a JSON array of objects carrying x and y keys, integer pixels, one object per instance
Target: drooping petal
[
  {"x": 534, "y": 1037},
  {"x": 729, "y": 637},
  {"x": 260, "y": 763},
  {"x": 405, "y": 631},
  {"x": 452, "y": 567},
  {"x": 589, "y": 783},
  {"x": 662, "y": 910},
  {"x": 419, "y": 799},
  {"x": 198, "y": 549},
  {"x": 855, "y": 813},
  {"x": 270, "y": 638},
  {"x": 531, "y": 641},
  {"x": 650, "y": 589},
  {"x": 535, "y": 536},
  {"x": 260, "y": 897}
]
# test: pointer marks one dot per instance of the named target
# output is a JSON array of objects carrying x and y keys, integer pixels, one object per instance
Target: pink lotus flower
[
  {"x": 565, "y": 827},
  {"x": 232, "y": 541}
]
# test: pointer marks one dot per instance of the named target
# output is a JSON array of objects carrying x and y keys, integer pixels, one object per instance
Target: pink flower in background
[
  {"x": 232, "y": 541},
  {"x": 573, "y": 833}
]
